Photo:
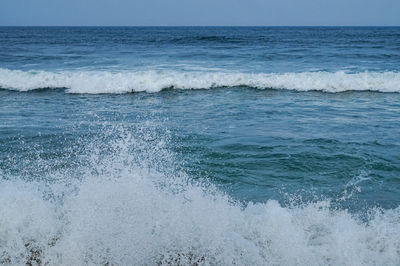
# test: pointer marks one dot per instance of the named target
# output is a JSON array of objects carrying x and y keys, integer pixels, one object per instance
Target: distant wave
[
  {"x": 96, "y": 82},
  {"x": 211, "y": 38}
]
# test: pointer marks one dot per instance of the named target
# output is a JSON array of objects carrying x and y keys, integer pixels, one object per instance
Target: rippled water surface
[{"x": 214, "y": 146}]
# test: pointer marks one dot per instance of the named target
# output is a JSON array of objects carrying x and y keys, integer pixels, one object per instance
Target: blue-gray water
[{"x": 191, "y": 145}]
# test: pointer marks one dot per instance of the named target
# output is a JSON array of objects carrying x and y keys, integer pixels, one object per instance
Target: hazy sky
[{"x": 199, "y": 12}]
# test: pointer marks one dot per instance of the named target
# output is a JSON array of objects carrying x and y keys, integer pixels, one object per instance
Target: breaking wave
[
  {"x": 97, "y": 82},
  {"x": 128, "y": 204}
]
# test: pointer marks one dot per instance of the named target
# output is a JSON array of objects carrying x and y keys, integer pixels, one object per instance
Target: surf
[
  {"x": 151, "y": 81},
  {"x": 127, "y": 200}
]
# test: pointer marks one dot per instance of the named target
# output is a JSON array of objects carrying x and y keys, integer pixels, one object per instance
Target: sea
[{"x": 199, "y": 145}]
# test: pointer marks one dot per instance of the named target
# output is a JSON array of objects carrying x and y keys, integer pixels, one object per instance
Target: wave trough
[{"x": 99, "y": 82}]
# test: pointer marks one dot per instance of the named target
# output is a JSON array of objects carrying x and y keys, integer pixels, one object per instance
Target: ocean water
[{"x": 199, "y": 146}]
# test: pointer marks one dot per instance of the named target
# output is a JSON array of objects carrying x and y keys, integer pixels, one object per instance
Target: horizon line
[{"x": 170, "y": 26}]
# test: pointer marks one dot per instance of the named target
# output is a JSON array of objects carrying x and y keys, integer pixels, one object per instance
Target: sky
[{"x": 199, "y": 12}]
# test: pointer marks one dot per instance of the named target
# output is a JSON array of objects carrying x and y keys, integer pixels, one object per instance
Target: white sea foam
[
  {"x": 127, "y": 211},
  {"x": 155, "y": 81}
]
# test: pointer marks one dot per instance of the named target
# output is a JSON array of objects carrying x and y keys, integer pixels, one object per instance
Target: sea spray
[{"x": 127, "y": 201}]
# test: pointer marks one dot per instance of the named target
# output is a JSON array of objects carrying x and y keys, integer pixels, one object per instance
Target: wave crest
[
  {"x": 97, "y": 82},
  {"x": 124, "y": 202}
]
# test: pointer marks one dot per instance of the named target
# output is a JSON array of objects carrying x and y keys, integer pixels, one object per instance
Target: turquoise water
[{"x": 214, "y": 146}]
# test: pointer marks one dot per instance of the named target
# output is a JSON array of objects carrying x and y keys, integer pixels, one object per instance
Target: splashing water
[{"x": 126, "y": 200}]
